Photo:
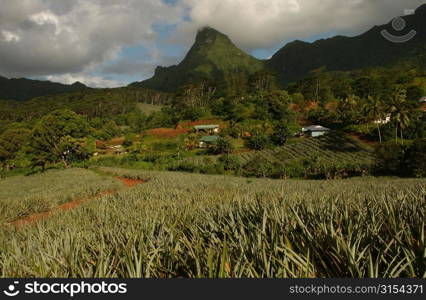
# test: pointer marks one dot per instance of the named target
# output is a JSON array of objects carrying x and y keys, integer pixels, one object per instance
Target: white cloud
[
  {"x": 62, "y": 36},
  {"x": 9, "y": 36},
  {"x": 256, "y": 24},
  {"x": 44, "y": 17},
  {"x": 69, "y": 40},
  {"x": 87, "y": 79}
]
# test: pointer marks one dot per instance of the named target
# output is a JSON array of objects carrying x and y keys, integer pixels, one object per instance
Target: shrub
[
  {"x": 257, "y": 142},
  {"x": 280, "y": 135},
  {"x": 230, "y": 163},
  {"x": 222, "y": 146},
  {"x": 258, "y": 167},
  {"x": 415, "y": 158},
  {"x": 128, "y": 140},
  {"x": 390, "y": 159}
]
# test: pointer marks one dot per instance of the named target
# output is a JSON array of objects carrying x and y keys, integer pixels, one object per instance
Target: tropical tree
[
  {"x": 222, "y": 146},
  {"x": 11, "y": 141},
  {"x": 57, "y": 137},
  {"x": 374, "y": 110},
  {"x": 257, "y": 141},
  {"x": 348, "y": 108},
  {"x": 191, "y": 141},
  {"x": 280, "y": 134},
  {"x": 400, "y": 111}
]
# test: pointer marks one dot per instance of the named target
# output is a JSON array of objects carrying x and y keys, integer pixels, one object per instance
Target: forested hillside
[
  {"x": 23, "y": 89},
  {"x": 371, "y": 49}
]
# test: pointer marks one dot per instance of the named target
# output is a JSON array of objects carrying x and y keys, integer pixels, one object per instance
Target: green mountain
[
  {"x": 23, "y": 89},
  {"x": 212, "y": 57},
  {"x": 371, "y": 49}
]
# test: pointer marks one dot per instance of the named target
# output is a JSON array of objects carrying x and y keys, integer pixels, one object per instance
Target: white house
[
  {"x": 207, "y": 128},
  {"x": 315, "y": 130}
]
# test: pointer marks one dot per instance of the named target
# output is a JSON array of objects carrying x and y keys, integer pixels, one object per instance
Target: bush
[
  {"x": 280, "y": 135},
  {"x": 206, "y": 167},
  {"x": 390, "y": 159},
  {"x": 308, "y": 168},
  {"x": 415, "y": 158},
  {"x": 318, "y": 168},
  {"x": 222, "y": 146},
  {"x": 129, "y": 139},
  {"x": 230, "y": 163},
  {"x": 257, "y": 142},
  {"x": 258, "y": 167}
]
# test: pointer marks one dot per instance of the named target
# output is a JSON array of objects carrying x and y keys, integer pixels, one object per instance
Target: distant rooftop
[
  {"x": 316, "y": 128},
  {"x": 201, "y": 127}
]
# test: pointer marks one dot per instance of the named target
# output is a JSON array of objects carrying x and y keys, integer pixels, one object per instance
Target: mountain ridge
[
  {"x": 341, "y": 53},
  {"x": 21, "y": 89}
]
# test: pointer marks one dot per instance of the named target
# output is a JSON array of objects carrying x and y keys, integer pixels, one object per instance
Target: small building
[
  {"x": 315, "y": 130},
  {"x": 383, "y": 121},
  {"x": 422, "y": 99},
  {"x": 210, "y": 129},
  {"x": 208, "y": 140}
]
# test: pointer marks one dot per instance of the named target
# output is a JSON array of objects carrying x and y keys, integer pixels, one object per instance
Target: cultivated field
[
  {"x": 187, "y": 225},
  {"x": 332, "y": 147},
  {"x": 25, "y": 195}
]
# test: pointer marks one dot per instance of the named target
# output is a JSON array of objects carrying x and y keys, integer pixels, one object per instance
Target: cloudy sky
[{"x": 107, "y": 43}]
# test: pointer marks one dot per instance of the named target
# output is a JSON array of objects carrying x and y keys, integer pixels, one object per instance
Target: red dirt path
[
  {"x": 73, "y": 204},
  {"x": 167, "y": 132},
  {"x": 182, "y": 128},
  {"x": 130, "y": 182}
]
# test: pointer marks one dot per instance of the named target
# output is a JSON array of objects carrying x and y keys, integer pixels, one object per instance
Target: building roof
[
  {"x": 209, "y": 139},
  {"x": 201, "y": 127},
  {"x": 315, "y": 128},
  {"x": 422, "y": 99}
]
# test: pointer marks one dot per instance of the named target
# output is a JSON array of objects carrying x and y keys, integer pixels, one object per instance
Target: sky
[{"x": 110, "y": 43}]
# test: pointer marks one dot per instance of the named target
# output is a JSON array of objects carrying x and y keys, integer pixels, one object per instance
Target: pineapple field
[{"x": 196, "y": 226}]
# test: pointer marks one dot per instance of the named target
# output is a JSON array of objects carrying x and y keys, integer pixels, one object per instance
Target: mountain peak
[
  {"x": 78, "y": 84},
  {"x": 208, "y": 35},
  {"x": 212, "y": 57},
  {"x": 421, "y": 10}
]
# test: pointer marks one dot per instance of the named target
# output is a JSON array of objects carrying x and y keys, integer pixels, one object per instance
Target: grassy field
[{"x": 188, "y": 225}]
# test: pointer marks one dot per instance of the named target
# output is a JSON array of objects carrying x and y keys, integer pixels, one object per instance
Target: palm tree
[
  {"x": 374, "y": 110},
  {"x": 191, "y": 141},
  {"x": 400, "y": 111},
  {"x": 349, "y": 106}
]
